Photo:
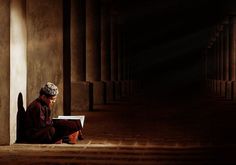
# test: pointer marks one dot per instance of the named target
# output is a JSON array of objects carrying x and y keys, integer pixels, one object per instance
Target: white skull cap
[{"x": 50, "y": 89}]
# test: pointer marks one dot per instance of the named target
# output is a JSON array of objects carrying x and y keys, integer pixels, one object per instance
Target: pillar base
[
  {"x": 218, "y": 83},
  {"x": 228, "y": 87},
  {"x": 131, "y": 87},
  {"x": 99, "y": 92},
  {"x": 124, "y": 88},
  {"x": 234, "y": 90},
  {"x": 117, "y": 90},
  {"x": 222, "y": 88},
  {"x": 81, "y": 96},
  {"x": 209, "y": 85},
  {"x": 214, "y": 86},
  {"x": 110, "y": 91}
]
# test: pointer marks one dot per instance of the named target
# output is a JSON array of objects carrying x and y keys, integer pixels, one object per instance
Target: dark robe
[{"x": 40, "y": 128}]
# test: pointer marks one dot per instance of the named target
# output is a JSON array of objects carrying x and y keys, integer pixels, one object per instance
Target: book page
[{"x": 82, "y": 118}]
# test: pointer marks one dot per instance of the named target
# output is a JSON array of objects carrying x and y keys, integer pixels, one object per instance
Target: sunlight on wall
[{"x": 18, "y": 65}]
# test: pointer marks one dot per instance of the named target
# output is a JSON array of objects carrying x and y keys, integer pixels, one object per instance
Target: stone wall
[
  {"x": 45, "y": 48},
  {"x": 5, "y": 70}
]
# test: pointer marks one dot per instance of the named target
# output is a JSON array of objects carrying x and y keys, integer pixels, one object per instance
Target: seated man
[{"x": 39, "y": 127}]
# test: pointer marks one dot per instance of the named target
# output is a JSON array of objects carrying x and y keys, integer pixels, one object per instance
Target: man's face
[{"x": 51, "y": 100}]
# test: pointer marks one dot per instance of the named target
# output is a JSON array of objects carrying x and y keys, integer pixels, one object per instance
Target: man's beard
[{"x": 51, "y": 106}]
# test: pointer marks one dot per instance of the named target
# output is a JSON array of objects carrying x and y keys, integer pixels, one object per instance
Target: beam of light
[
  {"x": 168, "y": 51},
  {"x": 18, "y": 65}
]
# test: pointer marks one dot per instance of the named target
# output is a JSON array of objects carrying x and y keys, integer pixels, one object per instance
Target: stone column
[
  {"x": 93, "y": 50},
  {"x": 210, "y": 66},
  {"x": 66, "y": 57},
  {"x": 205, "y": 68},
  {"x": 226, "y": 50},
  {"x": 120, "y": 60},
  {"x": 221, "y": 53},
  {"x": 222, "y": 57},
  {"x": 213, "y": 50},
  {"x": 81, "y": 91},
  {"x": 215, "y": 65},
  {"x": 114, "y": 55},
  {"x": 18, "y": 67},
  {"x": 218, "y": 62},
  {"x": 5, "y": 72},
  {"x": 106, "y": 51},
  {"x": 78, "y": 54},
  {"x": 228, "y": 90},
  {"x": 105, "y": 43},
  {"x": 120, "y": 54},
  {"x": 114, "y": 51},
  {"x": 124, "y": 71},
  {"x": 121, "y": 64},
  {"x": 93, "y": 65},
  {"x": 232, "y": 49}
]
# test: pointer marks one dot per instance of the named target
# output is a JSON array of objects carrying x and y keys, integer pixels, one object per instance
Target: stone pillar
[
  {"x": 93, "y": 65},
  {"x": 228, "y": 93},
  {"x": 210, "y": 66},
  {"x": 215, "y": 65},
  {"x": 226, "y": 50},
  {"x": 218, "y": 62},
  {"x": 114, "y": 55},
  {"x": 124, "y": 72},
  {"x": 18, "y": 67},
  {"x": 45, "y": 48},
  {"x": 131, "y": 80},
  {"x": 206, "y": 58},
  {"x": 232, "y": 47},
  {"x": 222, "y": 58},
  {"x": 105, "y": 43},
  {"x": 78, "y": 40},
  {"x": 106, "y": 52},
  {"x": 81, "y": 91},
  {"x": 205, "y": 61},
  {"x": 122, "y": 63},
  {"x": 66, "y": 57},
  {"x": 82, "y": 96},
  {"x": 93, "y": 50},
  {"x": 5, "y": 72},
  {"x": 114, "y": 51},
  {"x": 120, "y": 59},
  {"x": 119, "y": 54},
  {"x": 213, "y": 61}
]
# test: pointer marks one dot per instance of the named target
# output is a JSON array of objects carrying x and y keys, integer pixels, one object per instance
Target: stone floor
[{"x": 141, "y": 131}]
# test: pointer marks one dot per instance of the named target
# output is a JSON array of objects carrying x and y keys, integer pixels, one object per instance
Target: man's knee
[
  {"x": 78, "y": 124},
  {"x": 51, "y": 131}
]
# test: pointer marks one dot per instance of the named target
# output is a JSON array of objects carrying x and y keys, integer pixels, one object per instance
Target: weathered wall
[
  {"x": 93, "y": 54},
  {"x": 45, "y": 48},
  {"x": 18, "y": 65},
  {"x": 5, "y": 70},
  {"x": 77, "y": 40}
]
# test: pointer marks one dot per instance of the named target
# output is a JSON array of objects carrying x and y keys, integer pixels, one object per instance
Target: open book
[{"x": 81, "y": 118}]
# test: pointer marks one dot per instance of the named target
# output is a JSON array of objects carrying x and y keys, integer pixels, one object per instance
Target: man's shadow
[{"x": 20, "y": 119}]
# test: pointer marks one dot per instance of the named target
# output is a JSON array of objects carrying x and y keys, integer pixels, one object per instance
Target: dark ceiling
[
  {"x": 158, "y": 22},
  {"x": 150, "y": 23},
  {"x": 164, "y": 39}
]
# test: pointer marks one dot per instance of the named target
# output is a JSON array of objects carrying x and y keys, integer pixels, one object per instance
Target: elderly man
[{"x": 39, "y": 126}]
